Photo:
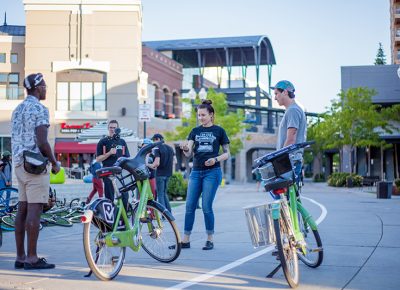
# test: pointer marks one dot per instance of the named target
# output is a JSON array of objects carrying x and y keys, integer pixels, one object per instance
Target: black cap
[{"x": 157, "y": 136}]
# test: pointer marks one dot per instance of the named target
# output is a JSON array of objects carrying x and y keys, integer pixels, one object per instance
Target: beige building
[
  {"x": 90, "y": 52},
  {"x": 395, "y": 30}
]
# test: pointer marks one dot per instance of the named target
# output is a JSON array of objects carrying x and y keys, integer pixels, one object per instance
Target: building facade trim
[
  {"x": 12, "y": 39},
  {"x": 103, "y": 66},
  {"x": 84, "y": 115}
]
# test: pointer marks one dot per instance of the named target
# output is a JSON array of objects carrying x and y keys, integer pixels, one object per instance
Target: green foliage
[
  {"x": 353, "y": 120},
  {"x": 397, "y": 183},
  {"x": 232, "y": 122},
  {"x": 341, "y": 179},
  {"x": 380, "y": 56},
  {"x": 177, "y": 186}
]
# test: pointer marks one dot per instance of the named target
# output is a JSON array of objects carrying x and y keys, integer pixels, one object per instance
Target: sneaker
[
  {"x": 185, "y": 245},
  {"x": 39, "y": 265},
  {"x": 18, "y": 265},
  {"x": 209, "y": 246}
]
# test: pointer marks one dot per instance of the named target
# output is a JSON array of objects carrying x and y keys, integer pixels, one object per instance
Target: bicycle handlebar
[{"x": 259, "y": 162}]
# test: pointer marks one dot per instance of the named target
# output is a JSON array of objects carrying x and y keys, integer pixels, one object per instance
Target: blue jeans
[
  {"x": 162, "y": 196},
  {"x": 204, "y": 182}
]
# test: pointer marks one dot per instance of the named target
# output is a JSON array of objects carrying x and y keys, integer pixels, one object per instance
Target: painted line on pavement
[
  {"x": 243, "y": 260},
  {"x": 323, "y": 208}
]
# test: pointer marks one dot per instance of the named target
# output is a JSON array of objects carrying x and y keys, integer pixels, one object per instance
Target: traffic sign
[{"x": 144, "y": 112}]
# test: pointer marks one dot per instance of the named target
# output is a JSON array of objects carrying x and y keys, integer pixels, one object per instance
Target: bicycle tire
[
  {"x": 74, "y": 202},
  {"x": 94, "y": 233},
  {"x": 75, "y": 218},
  {"x": 57, "y": 221},
  {"x": 162, "y": 242},
  {"x": 287, "y": 252},
  {"x": 315, "y": 253},
  {"x": 1, "y": 234},
  {"x": 9, "y": 221}
]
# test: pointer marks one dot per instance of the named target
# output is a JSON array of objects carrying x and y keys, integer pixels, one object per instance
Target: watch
[{"x": 216, "y": 159}]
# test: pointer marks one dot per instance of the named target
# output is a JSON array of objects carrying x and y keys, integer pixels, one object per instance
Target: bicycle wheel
[
  {"x": 57, "y": 221},
  {"x": 314, "y": 256},
  {"x": 287, "y": 252},
  {"x": 74, "y": 203},
  {"x": 8, "y": 222},
  {"x": 160, "y": 236},
  {"x": 104, "y": 261}
]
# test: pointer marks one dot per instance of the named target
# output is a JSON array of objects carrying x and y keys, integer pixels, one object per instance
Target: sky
[{"x": 311, "y": 39}]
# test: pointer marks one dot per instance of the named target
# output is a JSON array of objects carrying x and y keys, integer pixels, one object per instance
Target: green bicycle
[
  {"x": 109, "y": 228},
  {"x": 285, "y": 222}
]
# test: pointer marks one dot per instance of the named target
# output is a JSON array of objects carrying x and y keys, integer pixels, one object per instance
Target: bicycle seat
[
  {"x": 278, "y": 183},
  {"x": 107, "y": 171}
]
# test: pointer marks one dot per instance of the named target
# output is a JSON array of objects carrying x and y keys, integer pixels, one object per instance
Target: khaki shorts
[{"x": 33, "y": 188}]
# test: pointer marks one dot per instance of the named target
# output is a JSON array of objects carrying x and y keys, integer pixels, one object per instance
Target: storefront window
[
  {"x": 5, "y": 144},
  {"x": 79, "y": 90}
]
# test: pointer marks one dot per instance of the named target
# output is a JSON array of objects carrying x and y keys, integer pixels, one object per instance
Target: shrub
[
  {"x": 177, "y": 186},
  {"x": 341, "y": 179},
  {"x": 397, "y": 183}
]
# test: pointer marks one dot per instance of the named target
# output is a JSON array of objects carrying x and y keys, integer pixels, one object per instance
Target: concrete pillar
[
  {"x": 159, "y": 104},
  {"x": 177, "y": 106},
  {"x": 168, "y": 103}
]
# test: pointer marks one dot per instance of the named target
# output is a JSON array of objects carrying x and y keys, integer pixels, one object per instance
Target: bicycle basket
[
  {"x": 267, "y": 172},
  {"x": 127, "y": 183},
  {"x": 260, "y": 225}
]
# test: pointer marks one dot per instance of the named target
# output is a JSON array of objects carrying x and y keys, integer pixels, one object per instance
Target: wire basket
[
  {"x": 280, "y": 166},
  {"x": 260, "y": 225},
  {"x": 267, "y": 172}
]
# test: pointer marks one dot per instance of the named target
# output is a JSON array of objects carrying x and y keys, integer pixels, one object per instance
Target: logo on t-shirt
[{"x": 205, "y": 140}]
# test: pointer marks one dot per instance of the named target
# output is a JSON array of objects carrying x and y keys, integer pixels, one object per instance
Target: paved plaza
[{"x": 360, "y": 235}]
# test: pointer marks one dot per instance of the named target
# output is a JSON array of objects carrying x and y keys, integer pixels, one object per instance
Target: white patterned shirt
[{"x": 25, "y": 118}]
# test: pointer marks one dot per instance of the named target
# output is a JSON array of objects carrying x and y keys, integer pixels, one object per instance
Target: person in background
[
  {"x": 163, "y": 162},
  {"x": 109, "y": 149},
  {"x": 97, "y": 183},
  {"x": 6, "y": 170},
  {"x": 149, "y": 163}
]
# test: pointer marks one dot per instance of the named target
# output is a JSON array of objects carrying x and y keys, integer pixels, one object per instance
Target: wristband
[{"x": 216, "y": 159}]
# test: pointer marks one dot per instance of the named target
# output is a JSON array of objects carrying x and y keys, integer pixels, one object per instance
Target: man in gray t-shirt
[{"x": 293, "y": 127}]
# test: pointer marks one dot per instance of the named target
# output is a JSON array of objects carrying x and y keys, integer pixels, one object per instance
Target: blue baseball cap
[{"x": 284, "y": 85}]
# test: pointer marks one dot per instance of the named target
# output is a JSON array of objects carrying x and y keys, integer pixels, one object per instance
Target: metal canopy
[
  {"x": 218, "y": 52},
  {"x": 14, "y": 30}
]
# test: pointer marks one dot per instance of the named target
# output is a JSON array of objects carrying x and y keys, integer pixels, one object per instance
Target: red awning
[{"x": 74, "y": 147}]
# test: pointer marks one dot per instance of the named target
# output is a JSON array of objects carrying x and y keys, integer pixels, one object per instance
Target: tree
[
  {"x": 352, "y": 120},
  {"x": 232, "y": 122},
  {"x": 380, "y": 56}
]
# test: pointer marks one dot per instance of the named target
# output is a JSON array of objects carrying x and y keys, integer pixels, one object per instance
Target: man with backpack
[{"x": 163, "y": 162}]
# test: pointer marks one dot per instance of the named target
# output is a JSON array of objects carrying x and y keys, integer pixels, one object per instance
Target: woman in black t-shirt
[{"x": 205, "y": 142}]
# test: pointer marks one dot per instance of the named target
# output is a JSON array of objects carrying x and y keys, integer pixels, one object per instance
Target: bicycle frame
[
  {"x": 127, "y": 237},
  {"x": 292, "y": 205}
]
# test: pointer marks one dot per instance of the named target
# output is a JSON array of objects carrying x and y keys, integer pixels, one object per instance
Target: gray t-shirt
[{"x": 294, "y": 118}]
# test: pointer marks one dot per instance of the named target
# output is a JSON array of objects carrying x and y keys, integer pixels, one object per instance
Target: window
[
  {"x": 2, "y": 57},
  {"x": 5, "y": 144},
  {"x": 80, "y": 90},
  {"x": 9, "y": 86},
  {"x": 14, "y": 58}
]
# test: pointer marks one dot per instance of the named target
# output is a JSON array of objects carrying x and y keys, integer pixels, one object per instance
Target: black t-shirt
[
  {"x": 166, "y": 154},
  {"x": 150, "y": 158},
  {"x": 105, "y": 144},
  {"x": 207, "y": 141}
]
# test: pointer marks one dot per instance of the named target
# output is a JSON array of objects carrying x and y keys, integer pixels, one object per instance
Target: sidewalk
[{"x": 360, "y": 235}]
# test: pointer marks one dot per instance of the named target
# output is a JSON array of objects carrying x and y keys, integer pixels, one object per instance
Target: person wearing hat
[
  {"x": 293, "y": 126},
  {"x": 5, "y": 170},
  {"x": 163, "y": 162},
  {"x": 29, "y": 130}
]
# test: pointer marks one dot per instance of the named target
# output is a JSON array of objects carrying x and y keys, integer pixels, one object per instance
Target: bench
[{"x": 370, "y": 180}]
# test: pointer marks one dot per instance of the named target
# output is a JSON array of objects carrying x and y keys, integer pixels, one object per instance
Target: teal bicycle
[
  {"x": 109, "y": 228},
  {"x": 284, "y": 222}
]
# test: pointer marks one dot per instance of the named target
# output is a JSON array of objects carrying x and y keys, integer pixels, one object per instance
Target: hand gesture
[
  {"x": 210, "y": 162},
  {"x": 184, "y": 146},
  {"x": 113, "y": 151}
]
